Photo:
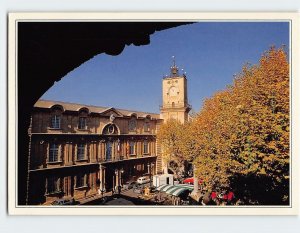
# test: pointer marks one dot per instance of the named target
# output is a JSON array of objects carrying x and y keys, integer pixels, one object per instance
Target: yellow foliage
[{"x": 243, "y": 129}]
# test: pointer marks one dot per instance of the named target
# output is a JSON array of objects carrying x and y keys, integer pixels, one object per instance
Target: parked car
[
  {"x": 138, "y": 190},
  {"x": 129, "y": 185},
  {"x": 143, "y": 180},
  {"x": 65, "y": 202}
]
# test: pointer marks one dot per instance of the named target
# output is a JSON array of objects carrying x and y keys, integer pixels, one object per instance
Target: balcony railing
[
  {"x": 175, "y": 105},
  {"x": 120, "y": 158}
]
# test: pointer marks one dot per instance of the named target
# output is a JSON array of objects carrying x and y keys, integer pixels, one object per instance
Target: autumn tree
[
  {"x": 240, "y": 138},
  {"x": 243, "y": 131},
  {"x": 170, "y": 136}
]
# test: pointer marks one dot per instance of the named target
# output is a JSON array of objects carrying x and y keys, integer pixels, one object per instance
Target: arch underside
[{"x": 47, "y": 51}]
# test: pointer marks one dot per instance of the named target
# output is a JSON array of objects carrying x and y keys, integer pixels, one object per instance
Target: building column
[
  {"x": 98, "y": 151},
  {"x": 75, "y": 153},
  {"x": 121, "y": 172},
  {"x": 117, "y": 178},
  {"x": 102, "y": 177}
]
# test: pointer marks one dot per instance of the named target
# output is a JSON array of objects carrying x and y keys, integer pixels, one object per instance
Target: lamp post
[
  {"x": 150, "y": 166},
  {"x": 118, "y": 148},
  {"x": 117, "y": 178},
  {"x": 151, "y": 169},
  {"x": 121, "y": 172}
]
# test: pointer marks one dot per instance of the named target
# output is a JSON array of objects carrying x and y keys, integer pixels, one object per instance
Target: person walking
[
  {"x": 119, "y": 189},
  {"x": 230, "y": 197}
]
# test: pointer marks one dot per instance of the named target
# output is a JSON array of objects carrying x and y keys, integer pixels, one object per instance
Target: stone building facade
[{"x": 77, "y": 150}]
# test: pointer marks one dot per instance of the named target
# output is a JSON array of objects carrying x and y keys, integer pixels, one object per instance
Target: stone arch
[
  {"x": 77, "y": 43},
  {"x": 57, "y": 107},
  {"x": 83, "y": 110},
  {"x": 133, "y": 114},
  {"x": 107, "y": 129}
]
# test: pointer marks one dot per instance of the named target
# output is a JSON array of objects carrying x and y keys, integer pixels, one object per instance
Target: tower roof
[{"x": 174, "y": 70}]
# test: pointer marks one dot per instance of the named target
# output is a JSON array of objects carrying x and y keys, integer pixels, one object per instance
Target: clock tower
[{"x": 174, "y": 96}]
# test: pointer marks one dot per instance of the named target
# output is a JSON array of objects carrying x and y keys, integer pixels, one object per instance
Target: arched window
[
  {"x": 110, "y": 129},
  {"x": 56, "y": 116},
  {"x": 82, "y": 120}
]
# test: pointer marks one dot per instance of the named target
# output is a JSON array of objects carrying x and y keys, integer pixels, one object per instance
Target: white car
[{"x": 143, "y": 180}]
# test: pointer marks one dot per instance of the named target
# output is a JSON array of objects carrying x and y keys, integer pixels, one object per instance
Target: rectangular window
[
  {"x": 147, "y": 127},
  {"x": 80, "y": 180},
  {"x": 55, "y": 122},
  {"x": 80, "y": 151},
  {"x": 146, "y": 147},
  {"x": 53, "y": 185},
  {"x": 53, "y": 152},
  {"x": 131, "y": 148},
  {"x": 82, "y": 123}
]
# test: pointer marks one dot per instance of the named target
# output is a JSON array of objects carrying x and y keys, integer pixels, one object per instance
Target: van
[{"x": 143, "y": 180}]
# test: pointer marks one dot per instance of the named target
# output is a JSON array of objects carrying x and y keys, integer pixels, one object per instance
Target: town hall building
[{"x": 77, "y": 150}]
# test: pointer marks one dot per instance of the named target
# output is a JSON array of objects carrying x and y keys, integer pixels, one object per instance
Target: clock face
[{"x": 173, "y": 91}]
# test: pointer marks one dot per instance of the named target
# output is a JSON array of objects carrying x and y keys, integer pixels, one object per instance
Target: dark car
[
  {"x": 130, "y": 185},
  {"x": 65, "y": 202}
]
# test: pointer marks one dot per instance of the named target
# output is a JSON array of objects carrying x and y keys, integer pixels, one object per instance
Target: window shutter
[
  {"x": 58, "y": 185},
  {"x": 86, "y": 151},
  {"x": 59, "y": 156}
]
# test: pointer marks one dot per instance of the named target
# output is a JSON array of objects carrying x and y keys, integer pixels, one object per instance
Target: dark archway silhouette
[{"x": 47, "y": 51}]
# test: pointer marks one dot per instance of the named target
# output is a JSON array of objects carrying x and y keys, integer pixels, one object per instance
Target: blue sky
[{"x": 210, "y": 53}]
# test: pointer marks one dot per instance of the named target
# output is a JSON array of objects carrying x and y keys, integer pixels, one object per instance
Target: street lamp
[
  {"x": 121, "y": 172},
  {"x": 115, "y": 183},
  {"x": 118, "y": 148},
  {"x": 150, "y": 166}
]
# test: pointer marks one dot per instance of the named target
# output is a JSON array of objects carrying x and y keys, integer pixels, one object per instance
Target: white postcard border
[{"x": 14, "y": 209}]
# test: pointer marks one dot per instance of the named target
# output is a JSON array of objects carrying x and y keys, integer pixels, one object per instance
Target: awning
[
  {"x": 164, "y": 187},
  {"x": 174, "y": 190},
  {"x": 191, "y": 187}
]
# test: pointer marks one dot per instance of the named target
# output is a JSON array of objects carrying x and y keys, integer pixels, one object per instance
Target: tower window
[{"x": 173, "y": 104}]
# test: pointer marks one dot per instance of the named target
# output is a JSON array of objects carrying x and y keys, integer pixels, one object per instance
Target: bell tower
[{"x": 174, "y": 96}]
